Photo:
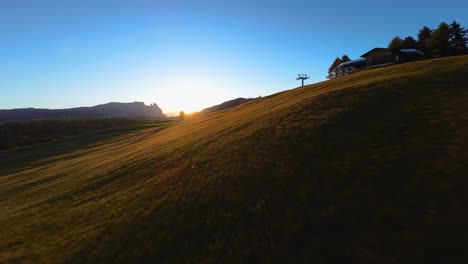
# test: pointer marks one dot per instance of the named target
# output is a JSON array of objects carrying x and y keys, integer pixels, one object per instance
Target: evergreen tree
[
  {"x": 333, "y": 70},
  {"x": 396, "y": 43},
  {"x": 439, "y": 44},
  {"x": 409, "y": 43},
  {"x": 457, "y": 39},
  {"x": 424, "y": 38},
  {"x": 345, "y": 58},
  {"x": 345, "y": 71}
]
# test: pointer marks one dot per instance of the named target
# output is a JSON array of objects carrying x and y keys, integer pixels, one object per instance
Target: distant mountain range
[
  {"x": 135, "y": 109},
  {"x": 226, "y": 105}
]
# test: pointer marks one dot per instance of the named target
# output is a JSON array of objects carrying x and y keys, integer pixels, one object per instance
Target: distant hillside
[
  {"x": 226, "y": 105},
  {"x": 135, "y": 109},
  {"x": 366, "y": 168}
]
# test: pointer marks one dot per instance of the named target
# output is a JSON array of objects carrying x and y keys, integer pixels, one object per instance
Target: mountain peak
[{"x": 112, "y": 109}]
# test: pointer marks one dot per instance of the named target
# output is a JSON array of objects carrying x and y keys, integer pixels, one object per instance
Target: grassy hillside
[
  {"x": 367, "y": 168},
  {"x": 27, "y": 133}
]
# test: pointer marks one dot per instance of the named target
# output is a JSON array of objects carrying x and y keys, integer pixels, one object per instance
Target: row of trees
[
  {"x": 334, "y": 71},
  {"x": 446, "y": 40}
]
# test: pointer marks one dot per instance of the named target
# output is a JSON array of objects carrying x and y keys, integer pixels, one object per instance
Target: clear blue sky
[{"x": 187, "y": 55}]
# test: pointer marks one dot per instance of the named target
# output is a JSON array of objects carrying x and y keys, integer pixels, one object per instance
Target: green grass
[{"x": 369, "y": 168}]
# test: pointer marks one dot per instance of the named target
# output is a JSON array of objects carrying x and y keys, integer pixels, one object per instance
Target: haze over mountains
[{"x": 113, "y": 109}]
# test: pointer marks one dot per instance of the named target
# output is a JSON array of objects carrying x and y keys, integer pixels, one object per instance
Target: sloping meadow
[{"x": 369, "y": 167}]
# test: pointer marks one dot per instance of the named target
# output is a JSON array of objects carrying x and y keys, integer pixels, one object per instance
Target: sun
[{"x": 192, "y": 92}]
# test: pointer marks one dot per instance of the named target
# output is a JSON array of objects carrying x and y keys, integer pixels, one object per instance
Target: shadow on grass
[{"x": 42, "y": 154}]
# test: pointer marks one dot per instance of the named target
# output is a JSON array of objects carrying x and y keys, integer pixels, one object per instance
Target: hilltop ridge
[
  {"x": 226, "y": 105},
  {"x": 112, "y": 109}
]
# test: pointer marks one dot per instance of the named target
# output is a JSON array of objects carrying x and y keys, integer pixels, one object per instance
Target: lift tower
[{"x": 302, "y": 77}]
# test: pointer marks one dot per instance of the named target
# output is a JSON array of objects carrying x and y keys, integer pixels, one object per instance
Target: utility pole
[{"x": 302, "y": 77}]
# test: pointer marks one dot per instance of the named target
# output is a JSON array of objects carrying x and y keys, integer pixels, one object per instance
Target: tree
[
  {"x": 457, "y": 39},
  {"x": 409, "y": 43},
  {"x": 182, "y": 115},
  {"x": 424, "y": 38},
  {"x": 344, "y": 70},
  {"x": 396, "y": 43},
  {"x": 333, "y": 70},
  {"x": 439, "y": 43},
  {"x": 345, "y": 58}
]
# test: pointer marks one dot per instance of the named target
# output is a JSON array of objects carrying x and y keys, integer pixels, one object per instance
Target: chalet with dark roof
[{"x": 378, "y": 57}]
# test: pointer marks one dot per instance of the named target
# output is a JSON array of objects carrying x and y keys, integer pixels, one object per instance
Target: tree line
[{"x": 446, "y": 40}]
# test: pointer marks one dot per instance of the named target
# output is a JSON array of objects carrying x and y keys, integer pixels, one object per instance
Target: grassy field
[
  {"x": 370, "y": 168},
  {"x": 27, "y": 133}
]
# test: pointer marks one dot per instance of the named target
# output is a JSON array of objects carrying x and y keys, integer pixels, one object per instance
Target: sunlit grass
[{"x": 367, "y": 168}]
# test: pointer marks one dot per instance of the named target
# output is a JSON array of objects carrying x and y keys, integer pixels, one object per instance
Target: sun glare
[{"x": 191, "y": 92}]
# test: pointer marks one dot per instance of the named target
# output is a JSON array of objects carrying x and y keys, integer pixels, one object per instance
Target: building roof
[
  {"x": 356, "y": 62},
  {"x": 406, "y": 51},
  {"x": 412, "y": 51},
  {"x": 372, "y": 51}
]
